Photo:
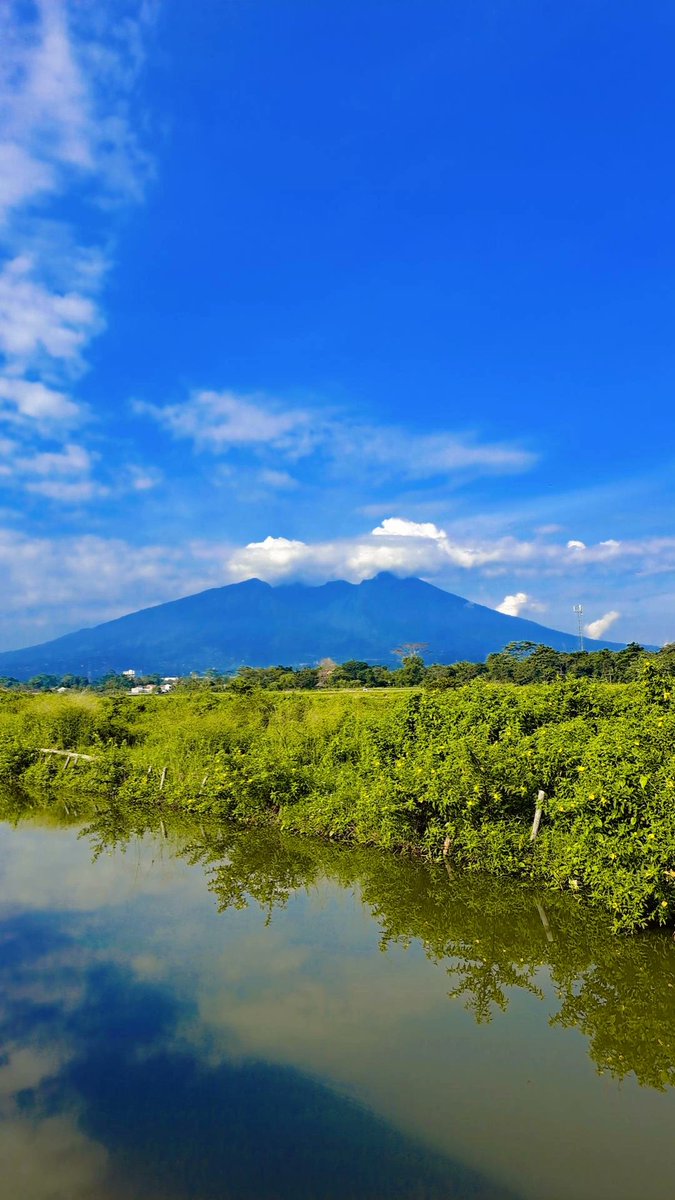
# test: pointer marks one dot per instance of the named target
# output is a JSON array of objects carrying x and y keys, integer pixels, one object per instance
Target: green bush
[{"x": 459, "y": 768}]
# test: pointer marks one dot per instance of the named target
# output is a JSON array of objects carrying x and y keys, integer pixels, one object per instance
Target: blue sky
[{"x": 306, "y": 290}]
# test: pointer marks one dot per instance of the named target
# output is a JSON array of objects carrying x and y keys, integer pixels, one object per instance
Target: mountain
[{"x": 260, "y": 625}]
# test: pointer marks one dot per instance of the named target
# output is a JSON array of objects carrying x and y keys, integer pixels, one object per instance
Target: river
[{"x": 191, "y": 1012}]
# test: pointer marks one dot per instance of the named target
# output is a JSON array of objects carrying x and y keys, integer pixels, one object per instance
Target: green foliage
[{"x": 412, "y": 771}]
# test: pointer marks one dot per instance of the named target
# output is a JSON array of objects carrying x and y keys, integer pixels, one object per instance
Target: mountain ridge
[{"x": 257, "y": 624}]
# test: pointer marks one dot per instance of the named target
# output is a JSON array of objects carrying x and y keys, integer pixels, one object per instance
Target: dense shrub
[{"x": 459, "y": 768}]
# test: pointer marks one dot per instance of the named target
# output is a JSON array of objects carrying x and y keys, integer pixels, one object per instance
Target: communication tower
[{"x": 579, "y": 610}]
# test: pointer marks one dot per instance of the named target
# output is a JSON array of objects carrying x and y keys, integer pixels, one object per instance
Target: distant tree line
[
  {"x": 111, "y": 682},
  {"x": 519, "y": 663}
]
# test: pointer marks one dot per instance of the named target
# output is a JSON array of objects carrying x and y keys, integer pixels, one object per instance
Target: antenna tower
[{"x": 579, "y": 610}]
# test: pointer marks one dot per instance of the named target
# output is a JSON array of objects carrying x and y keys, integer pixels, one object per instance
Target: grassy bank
[{"x": 410, "y": 772}]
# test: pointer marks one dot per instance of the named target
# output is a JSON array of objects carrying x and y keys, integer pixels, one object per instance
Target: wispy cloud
[
  {"x": 67, "y": 76},
  {"x": 30, "y": 401},
  {"x": 90, "y": 579},
  {"x": 67, "y": 145},
  {"x": 41, "y": 327},
  {"x": 223, "y": 422},
  {"x": 65, "y": 474},
  {"x": 278, "y": 480}
]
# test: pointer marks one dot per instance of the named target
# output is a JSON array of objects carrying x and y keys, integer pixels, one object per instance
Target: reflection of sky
[
  {"x": 117, "y": 1102},
  {"x": 153, "y": 1043}
]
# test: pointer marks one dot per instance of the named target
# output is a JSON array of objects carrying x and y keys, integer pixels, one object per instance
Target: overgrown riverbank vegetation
[{"x": 416, "y": 772}]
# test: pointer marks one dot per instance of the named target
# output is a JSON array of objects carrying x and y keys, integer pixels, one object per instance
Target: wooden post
[
  {"x": 202, "y": 784},
  {"x": 541, "y": 797},
  {"x": 161, "y": 782},
  {"x": 67, "y": 762},
  {"x": 69, "y": 754},
  {"x": 446, "y": 846}
]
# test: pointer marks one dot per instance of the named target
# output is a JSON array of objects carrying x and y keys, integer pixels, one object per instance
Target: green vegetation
[
  {"x": 412, "y": 772},
  {"x": 519, "y": 663}
]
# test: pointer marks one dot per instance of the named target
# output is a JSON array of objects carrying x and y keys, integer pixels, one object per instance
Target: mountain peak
[{"x": 253, "y": 623}]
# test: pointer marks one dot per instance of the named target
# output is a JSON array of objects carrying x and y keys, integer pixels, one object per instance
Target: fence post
[{"x": 541, "y": 797}]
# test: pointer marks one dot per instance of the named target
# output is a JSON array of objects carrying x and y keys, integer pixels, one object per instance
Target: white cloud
[
  {"x": 39, "y": 324},
  {"x": 224, "y": 421},
  {"x": 67, "y": 491},
  {"x": 33, "y": 401},
  {"x": 67, "y": 72},
  {"x": 271, "y": 559},
  {"x": 64, "y": 474},
  {"x": 65, "y": 81},
  {"x": 422, "y": 548},
  {"x": 67, "y": 474},
  {"x": 597, "y": 629},
  {"x": 513, "y": 605},
  {"x": 574, "y": 544},
  {"x": 70, "y": 460},
  {"x": 52, "y": 584},
  {"x": 425, "y": 456},
  {"x": 398, "y": 545},
  {"x": 22, "y": 177},
  {"x": 399, "y": 527},
  {"x": 279, "y": 480},
  {"x": 55, "y": 584},
  {"x": 143, "y": 479}
]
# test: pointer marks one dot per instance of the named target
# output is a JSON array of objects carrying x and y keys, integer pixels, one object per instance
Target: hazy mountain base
[{"x": 414, "y": 773}]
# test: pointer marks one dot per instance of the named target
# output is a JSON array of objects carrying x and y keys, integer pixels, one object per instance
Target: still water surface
[{"x": 192, "y": 1013}]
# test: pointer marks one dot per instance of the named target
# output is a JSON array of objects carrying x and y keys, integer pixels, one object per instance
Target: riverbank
[{"x": 457, "y": 772}]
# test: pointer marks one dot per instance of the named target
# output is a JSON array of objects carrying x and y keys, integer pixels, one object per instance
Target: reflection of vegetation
[
  {"x": 17, "y": 805},
  {"x": 620, "y": 993},
  {"x": 492, "y": 936}
]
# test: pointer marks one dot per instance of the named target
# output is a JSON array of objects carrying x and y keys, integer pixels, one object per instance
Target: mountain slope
[{"x": 259, "y": 625}]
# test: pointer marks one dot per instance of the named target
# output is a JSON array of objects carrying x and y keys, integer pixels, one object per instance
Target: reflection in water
[
  {"x": 155, "y": 1049},
  {"x": 174, "y": 1125},
  {"x": 494, "y": 936}
]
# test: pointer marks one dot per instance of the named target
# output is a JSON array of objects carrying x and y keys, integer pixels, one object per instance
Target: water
[{"x": 196, "y": 1013}]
